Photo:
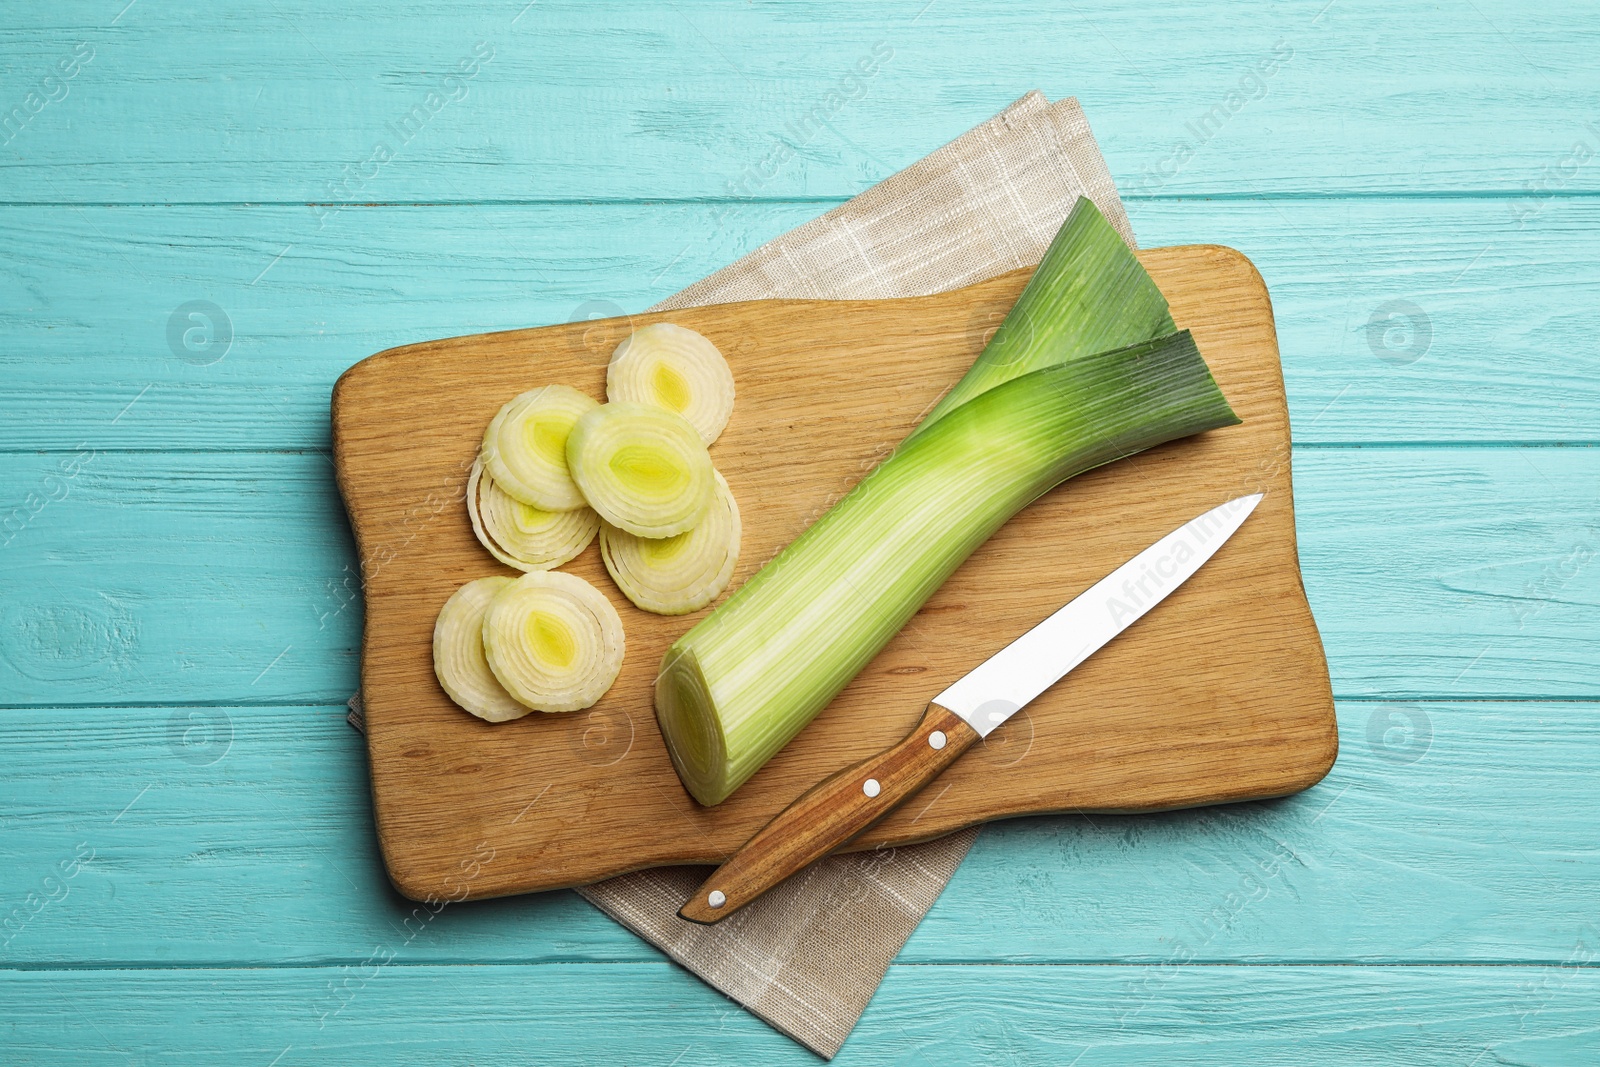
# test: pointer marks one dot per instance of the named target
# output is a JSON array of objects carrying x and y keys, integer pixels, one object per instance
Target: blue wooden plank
[
  {"x": 288, "y": 100},
  {"x": 657, "y": 1014},
  {"x": 214, "y": 834},
  {"x": 1398, "y": 320},
  {"x": 1446, "y": 833},
  {"x": 183, "y": 575},
  {"x": 230, "y": 578},
  {"x": 1453, "y": 572}
]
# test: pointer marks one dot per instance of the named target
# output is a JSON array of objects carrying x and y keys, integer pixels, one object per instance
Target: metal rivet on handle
[
  {"x": 717, "y": 898},
  {"x": 936, "y": 739},
  {"x": 871, "y": 787}
]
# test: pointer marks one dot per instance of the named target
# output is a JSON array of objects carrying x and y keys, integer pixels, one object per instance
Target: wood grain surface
[
  {"x": 361, "y": 285},
  {"x": 180, "y": 621},
  {"x": 1223, "y": 694},
  {"x": 625, "y": 100},
  {"x": 1304, "y": 1016}
]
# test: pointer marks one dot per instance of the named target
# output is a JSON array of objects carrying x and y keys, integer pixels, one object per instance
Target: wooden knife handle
[{"x": 830, "y": 814}]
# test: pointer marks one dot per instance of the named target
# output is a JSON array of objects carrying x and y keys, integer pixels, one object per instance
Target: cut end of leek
[
  {"x": 458, "y": 658},
  {"x": 644, "y": 469},
  {"x": 677, "y": 575},
  {"x": 675, "y": 368},
  {"x": 525, "y": 447},
  {"x": 553, "y": 641},
  {"x": 521, "y": 535},
  {"x": 692, "y": 729}
]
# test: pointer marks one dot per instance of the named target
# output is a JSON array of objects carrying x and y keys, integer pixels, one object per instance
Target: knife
[{"x": 845, "y": 804}]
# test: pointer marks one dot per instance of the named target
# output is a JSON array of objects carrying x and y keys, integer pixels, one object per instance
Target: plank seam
[
  {"x": 1137, "y": 963},
  {"x": 678, "y": 201}
]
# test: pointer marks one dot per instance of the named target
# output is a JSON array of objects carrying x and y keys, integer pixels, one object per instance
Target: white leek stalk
[
  {"x": 675, "y": 368},
  {"x": 643, "y": 468},
  {"x": 553, "y": 641},
  {"x": 458, "y": 658},
  {"x": 521, "y": 535},
  {"x": 677, "y": 575},
  {"x": 525, "y": 447}
]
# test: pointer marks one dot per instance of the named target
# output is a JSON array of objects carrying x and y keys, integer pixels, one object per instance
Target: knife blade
[{"x": 839, "y": 808}]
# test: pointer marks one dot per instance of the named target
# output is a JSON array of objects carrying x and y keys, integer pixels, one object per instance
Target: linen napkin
[{"x": 807, "y": 956}]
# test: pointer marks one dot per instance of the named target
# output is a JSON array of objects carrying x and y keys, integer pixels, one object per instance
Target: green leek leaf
[{"x": 1089, "y": 294}]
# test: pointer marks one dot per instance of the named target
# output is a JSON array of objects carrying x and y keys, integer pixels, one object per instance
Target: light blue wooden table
[{"x": 198, "y": 237}]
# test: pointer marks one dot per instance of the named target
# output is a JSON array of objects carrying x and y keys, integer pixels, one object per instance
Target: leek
[
  {"x": 677, "y": 575},
  {"x": 458, "y": 659},
  {"x": 553, "y": 641},
  {"x": 525, "y": 447},
  {"x": 521, "y": 535},
  {"x": 748, "y": 677},
  {"x": 643, "y": 468},
  {"x": 674, "y": 367},
  {"x": 1089, "y": 294}
]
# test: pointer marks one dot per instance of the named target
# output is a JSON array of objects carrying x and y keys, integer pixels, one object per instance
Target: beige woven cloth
[{"x": 808, "y": 955}]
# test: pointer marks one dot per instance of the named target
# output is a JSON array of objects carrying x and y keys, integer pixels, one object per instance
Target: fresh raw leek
[
  {"x": 553, "y": 640},
  {"x": 458, "y": 658},
  {"x": 1089, "y": 294},
  {"x": 749, "y": 676},
  {"x": 521, "y": 535},
  {"x": 643, "y": 468},
  {"x": 525, "y": 446},
  {"x": 677, "y": 575},
  {"x": 675, "y": 368}
]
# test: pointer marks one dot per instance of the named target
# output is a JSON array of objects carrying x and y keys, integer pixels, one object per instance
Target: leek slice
[
  {"x": 675, "y": 368},
  {"x": 1089, "y": 294},
  {"x": 525, "y": 446},
  {"x": 458, "y": 658},
  {"x": 749, "y": 676},
  {"x": 643, "y": 468},
  {"x": 521, "y": 535},
  {"x": 677, "y": 575},
  {"x": 553, "y": 640}
]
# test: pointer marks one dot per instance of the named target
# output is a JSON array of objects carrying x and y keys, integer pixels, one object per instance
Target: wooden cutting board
[{"x": 1221, "y": 694}]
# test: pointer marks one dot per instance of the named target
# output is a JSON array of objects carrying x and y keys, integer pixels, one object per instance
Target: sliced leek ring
[
  {"x": 675, "y": 368},
  {"x": 524, "y": 448},
  {"x": 644, "y": 469},
  {"x": 521, "y": 535},
  {"x": 677, "y": 575},
  {"x": 458, "y": 658},
  {"x": 553, "y": 640}
]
